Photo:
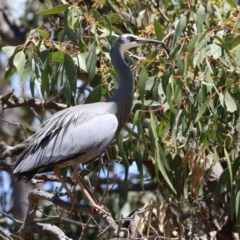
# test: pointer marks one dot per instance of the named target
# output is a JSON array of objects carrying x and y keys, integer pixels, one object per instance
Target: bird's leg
[
  {"x": 58, "y": 174},
  {"x": 74, "y": 183},
  {"x": 82, "y": 184}
]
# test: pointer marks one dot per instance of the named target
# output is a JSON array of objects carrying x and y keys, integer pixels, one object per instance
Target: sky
[{"x": 16, "y": 7}]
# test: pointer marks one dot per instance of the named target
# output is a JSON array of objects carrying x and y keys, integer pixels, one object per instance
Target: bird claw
[{"x": 100, "y": 209}]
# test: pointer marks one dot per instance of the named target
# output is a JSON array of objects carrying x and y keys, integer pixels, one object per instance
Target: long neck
[{"x": 124, "y": 94}]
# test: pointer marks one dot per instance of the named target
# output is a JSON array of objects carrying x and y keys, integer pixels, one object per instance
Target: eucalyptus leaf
[
  {"x": 179, "y": 29},
  {"x": 230, "y": 103},
  {"x": 142, "y": 83},
  {"x": 216, "y": 50},
  {"x": 55, "y": 10},
  {"x": 232, "y": 3},
  {"x": 9, "y": 51},
  {"x": 201, "y": 111},
  {"x": 71, "y": 72},
  {"x": 91, "y": 60},
  {"x": 158, "y": 29},
  {"x": 19, "y": 62},
  {"x": 158, "y": 152},
  {"x": 95, "y": 95}
]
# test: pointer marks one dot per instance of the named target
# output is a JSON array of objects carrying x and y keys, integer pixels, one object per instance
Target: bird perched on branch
[{"x": 80, "y": 133}]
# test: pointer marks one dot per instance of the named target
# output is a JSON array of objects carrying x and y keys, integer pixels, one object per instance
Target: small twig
[
  {"x": 36, "y": 115},
  {"x": 36, "y": 195},
  {"x": 59, "y": 94},
  {"x": 29, "y": 227},
  {"x": 156, "y": 5},
  {"x": 16, "y": 124},
  {"x": 11, "y": 218},
  {"x": 85, "y": 229},
  {"x": 67, "y": 220},
  {"x": 4, "y": 235}
]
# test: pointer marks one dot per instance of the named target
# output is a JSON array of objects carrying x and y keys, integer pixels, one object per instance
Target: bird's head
[{"x": 128, "y": 41}]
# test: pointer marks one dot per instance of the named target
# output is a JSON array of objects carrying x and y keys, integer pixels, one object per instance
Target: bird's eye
[{"x": 131, "y": 39}]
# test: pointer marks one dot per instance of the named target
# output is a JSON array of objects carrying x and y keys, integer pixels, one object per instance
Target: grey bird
[{"x": 80, "y": 133}]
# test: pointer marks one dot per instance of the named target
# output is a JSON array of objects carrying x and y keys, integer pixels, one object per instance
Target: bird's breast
[{"x": 81, "y": 159}]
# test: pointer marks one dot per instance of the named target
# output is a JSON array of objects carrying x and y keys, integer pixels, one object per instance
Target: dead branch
[
  {"x": 29, "y": 226},
  {"x": 49, "y": 230},
  {"x": 149, "y": 186},
  {"x": 11, "y": 151},
  {"x": 66, "y": 220},
  {"x": 10, "y": 217},
  {"x": 4, "y": 235},
  {"x": 41, "y": 178},
  {"x": 17, "y": 124},
  {"x": 11, "y": 101}
]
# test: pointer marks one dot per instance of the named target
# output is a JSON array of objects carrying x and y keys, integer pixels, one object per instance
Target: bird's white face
[{"x": 128, "y": 41}]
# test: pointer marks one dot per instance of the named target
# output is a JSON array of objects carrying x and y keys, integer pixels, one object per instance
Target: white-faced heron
[{"x": 80, "y": 133}]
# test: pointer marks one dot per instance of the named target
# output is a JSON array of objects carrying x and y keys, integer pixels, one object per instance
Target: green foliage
[{"x": 189, "y": 98}]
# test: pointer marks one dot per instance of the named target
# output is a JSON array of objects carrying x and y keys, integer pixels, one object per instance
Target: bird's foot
[{"x": 101, "y": 209}]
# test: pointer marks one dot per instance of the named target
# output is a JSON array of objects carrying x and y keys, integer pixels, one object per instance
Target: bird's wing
[{"x": 89, "y": 138}]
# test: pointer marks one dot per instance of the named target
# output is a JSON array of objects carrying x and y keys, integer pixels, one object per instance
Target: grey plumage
[
  {"x": 69, "y": 134},
  {"x": 80, "y": 133}
]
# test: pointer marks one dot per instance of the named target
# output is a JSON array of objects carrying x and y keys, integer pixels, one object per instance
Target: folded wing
[{"x": 83, "y": 141}]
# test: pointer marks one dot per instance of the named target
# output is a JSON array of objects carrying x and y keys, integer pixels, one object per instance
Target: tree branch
[
  {"x": 4, "y": 235},
  {"x": 66, "y": 220},
  {"x": 11, "y": 151},
  {"x": 11, "y": 101},
  {"x": 10, "y": 217},
  {"x": 18, "y": 124},
  {"x": 49, "y": 230},
  {"x": 29, "y": 227}
]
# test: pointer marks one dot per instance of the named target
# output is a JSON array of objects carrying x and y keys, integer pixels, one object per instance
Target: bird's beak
[{"x": 147, "y": 40}]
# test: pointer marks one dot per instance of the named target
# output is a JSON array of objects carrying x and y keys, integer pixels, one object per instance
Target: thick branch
[
  {"x": 29, "y": 227},
  {"x": 49, "y": 230},
  {"x": 12, "y": 151}
]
